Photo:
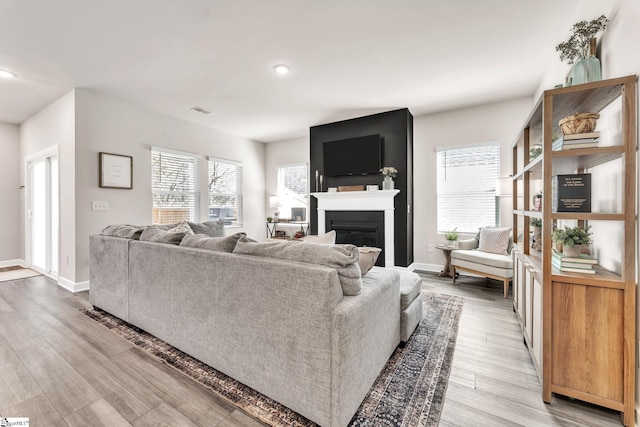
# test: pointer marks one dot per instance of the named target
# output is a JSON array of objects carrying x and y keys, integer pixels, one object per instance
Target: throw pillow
[
  {"x": 183, "y": 227},
  {"x": 344, "y": 258},
  {"x": 495, "y": 240},
  {"x": 153, "y": 234},
  {"x": 124, "y": 231},
  {"x": 368, "y": 258},
  {"x": 220, "y": 244},
  {"x": 209, "y": 228},
  {"x": 323, "y": 239}
]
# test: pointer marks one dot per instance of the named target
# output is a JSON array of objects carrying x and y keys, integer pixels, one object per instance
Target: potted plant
[
  {"x": 269, "y": 219},
  {"x": 580, "y": 48},
  {"x": 536, "y": 242},
  {"x": 452, "y": 237},
  {"x": 572, "y": 239},
  {"x": 534, "y": 152}
]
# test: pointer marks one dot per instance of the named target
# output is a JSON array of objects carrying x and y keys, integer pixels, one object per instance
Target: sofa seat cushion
[
  {"x": 344, "y": 258},
  {"x": 410, "y": 286},
  {"x": 484, "y": 262}
]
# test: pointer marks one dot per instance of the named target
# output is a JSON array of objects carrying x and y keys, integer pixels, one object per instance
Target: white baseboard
[
  {"x": 12, "y": 262},
  {"x": 73, "y": 286},
  {"x": 421, "y": 266}
]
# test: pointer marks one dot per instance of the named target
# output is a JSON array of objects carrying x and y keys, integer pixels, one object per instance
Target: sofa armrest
[{"x": 468, "y": 244}]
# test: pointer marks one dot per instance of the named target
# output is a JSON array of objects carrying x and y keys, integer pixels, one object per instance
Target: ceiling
[{"x": 347, "y": 58}]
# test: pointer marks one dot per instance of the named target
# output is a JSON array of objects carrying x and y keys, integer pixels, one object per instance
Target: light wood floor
[{"x": 59, "y": 368}]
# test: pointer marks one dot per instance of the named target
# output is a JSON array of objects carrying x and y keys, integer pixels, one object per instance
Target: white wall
[
  {"x": 10, "y": 193},
  {"x": 499, "y": 122},
  {"x": 51, "y": 127},
  {"x": 109, "y": 125}
]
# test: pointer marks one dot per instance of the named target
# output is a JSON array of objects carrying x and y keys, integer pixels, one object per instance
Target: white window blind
[
  {"x": 225, "y": 191},
  {"x": 467, "y": 188},
  {"x": 174, "y": 180}
]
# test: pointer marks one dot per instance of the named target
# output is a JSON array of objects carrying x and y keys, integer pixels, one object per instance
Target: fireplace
[
  {"x": 357, "y": 214},
  {"x": 360, "y": 228}
]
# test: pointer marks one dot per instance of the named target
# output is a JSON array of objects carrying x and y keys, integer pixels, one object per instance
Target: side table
[{"x": 447, "y": 270}]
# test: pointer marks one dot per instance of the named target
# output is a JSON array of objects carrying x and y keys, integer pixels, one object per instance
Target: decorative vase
[
  {"x": 537, "y": 238},
  {"x": 387, "y": 183},
  {"x": 573, "y": 251},
  {"x": 586, "y": 69}
]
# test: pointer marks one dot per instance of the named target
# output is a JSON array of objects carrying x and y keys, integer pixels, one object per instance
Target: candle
[{"x": 320, "y": 183}]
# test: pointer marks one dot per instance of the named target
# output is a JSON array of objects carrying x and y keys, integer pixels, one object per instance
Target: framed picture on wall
[{"x": 116, "y": 171}]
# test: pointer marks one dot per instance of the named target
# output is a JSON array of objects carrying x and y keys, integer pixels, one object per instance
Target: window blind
[
  {"x": 174, "y": 186},
  {"x": 225, "y": 191},
  {"x": 467, "y": 188}
]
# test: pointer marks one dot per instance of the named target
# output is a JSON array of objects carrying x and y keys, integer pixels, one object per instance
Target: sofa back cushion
[
  {"x": 344, "y": 258},
  {"x": 123, "y": 230},
  {"x": 154, "y": 234},
  {"x": 220, "y": 244},
  {"x": 208, "y": 228}
]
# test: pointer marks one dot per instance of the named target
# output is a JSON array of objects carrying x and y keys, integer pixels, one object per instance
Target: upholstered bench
[{"x": 495, "y": 261}]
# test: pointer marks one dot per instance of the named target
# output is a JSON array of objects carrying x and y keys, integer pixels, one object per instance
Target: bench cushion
[{"x": 485, "y": 258}]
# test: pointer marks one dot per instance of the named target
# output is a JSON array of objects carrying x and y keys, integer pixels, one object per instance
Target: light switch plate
[{"x": 100, "y": 205}]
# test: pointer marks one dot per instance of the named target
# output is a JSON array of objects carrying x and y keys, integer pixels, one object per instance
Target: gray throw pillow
[
  {"x": 124, "y": 231},
  {"x": 220, "y": 244},
  {"x": 368, "y": 258},
  {"x": 344, "y": 258},
  {"x": 154, "y": 234},
  {"x": 210, "y": 228}
]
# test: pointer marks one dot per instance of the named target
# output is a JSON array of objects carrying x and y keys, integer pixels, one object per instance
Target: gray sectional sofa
[{"x": 282, "y": 327}]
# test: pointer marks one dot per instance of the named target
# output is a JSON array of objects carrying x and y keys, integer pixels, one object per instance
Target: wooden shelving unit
[{"x": 580, "y": 329}]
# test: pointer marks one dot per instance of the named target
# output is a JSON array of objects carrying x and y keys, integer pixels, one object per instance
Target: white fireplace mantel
[{"x": 381, "y": 200}]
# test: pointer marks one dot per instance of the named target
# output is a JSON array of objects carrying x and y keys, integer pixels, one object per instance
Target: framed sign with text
[{"x": 116, "y": 171}]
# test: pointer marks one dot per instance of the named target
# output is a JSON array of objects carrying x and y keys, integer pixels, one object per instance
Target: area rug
[
  {"x": 16, "y": 273},
  {"x": 409, "y": 391}
]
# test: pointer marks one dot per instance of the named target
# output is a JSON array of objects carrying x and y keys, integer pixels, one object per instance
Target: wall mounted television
[{"x": 353, "y": 156}]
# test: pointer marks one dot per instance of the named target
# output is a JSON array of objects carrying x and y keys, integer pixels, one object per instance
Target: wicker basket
[{"x": 580, "y": 123}]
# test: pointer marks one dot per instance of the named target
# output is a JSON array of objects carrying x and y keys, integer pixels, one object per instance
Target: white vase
[{"x": 387, "y": 183}]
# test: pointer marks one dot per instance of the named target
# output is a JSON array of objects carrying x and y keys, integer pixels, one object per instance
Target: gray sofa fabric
[
  {"x": 154, "y": 234},
  {"x": 223, "y": 244},
  {"x": 123, "y": 231},
  {"x": 282, "y": 327},
  {"x": 208, "y": 228},
  {"x": 344, "y": 258}
]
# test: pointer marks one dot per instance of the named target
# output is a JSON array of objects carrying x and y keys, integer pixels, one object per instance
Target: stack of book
[
  {"x": 582, "y": 264},
  {"x": 576, "y": 140}
]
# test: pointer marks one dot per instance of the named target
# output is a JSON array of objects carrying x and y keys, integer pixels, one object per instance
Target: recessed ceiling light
[
  {"x": 281, "y": 69},
  {"x": 7, "y": 74}
]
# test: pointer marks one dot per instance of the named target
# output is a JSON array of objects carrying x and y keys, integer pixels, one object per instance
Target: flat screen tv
[{"x": 353, "y": 156}]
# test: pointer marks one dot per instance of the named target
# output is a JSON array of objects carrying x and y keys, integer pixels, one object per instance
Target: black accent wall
[{"x": 396, "y": 129}]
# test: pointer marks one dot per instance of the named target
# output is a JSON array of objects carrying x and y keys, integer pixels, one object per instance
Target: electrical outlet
[
  {"x": 99, "y": 205},
  {"x": 430, "y": 248}
]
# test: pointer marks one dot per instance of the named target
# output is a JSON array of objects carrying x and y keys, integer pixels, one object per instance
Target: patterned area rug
[{"x": 409, "y": 392}]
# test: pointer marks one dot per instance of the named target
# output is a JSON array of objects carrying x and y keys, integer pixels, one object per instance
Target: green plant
[
  {"x": 577, "y": 47},
  {"x": 535, "y": 222},
  {"x": 269, "y": 219},
  {"x": 535, "y": 152},
  {"x": 572, "y": 236},
  {"x": 451, "y": 235}
]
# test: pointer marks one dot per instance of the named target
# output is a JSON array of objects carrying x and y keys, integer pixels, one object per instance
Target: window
[
  {"x": 467, "y": 188},
  {"x": 293, "y": 191},
  {"x": 225, "y": 191},
  {"x": 174, "y": 181}
]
